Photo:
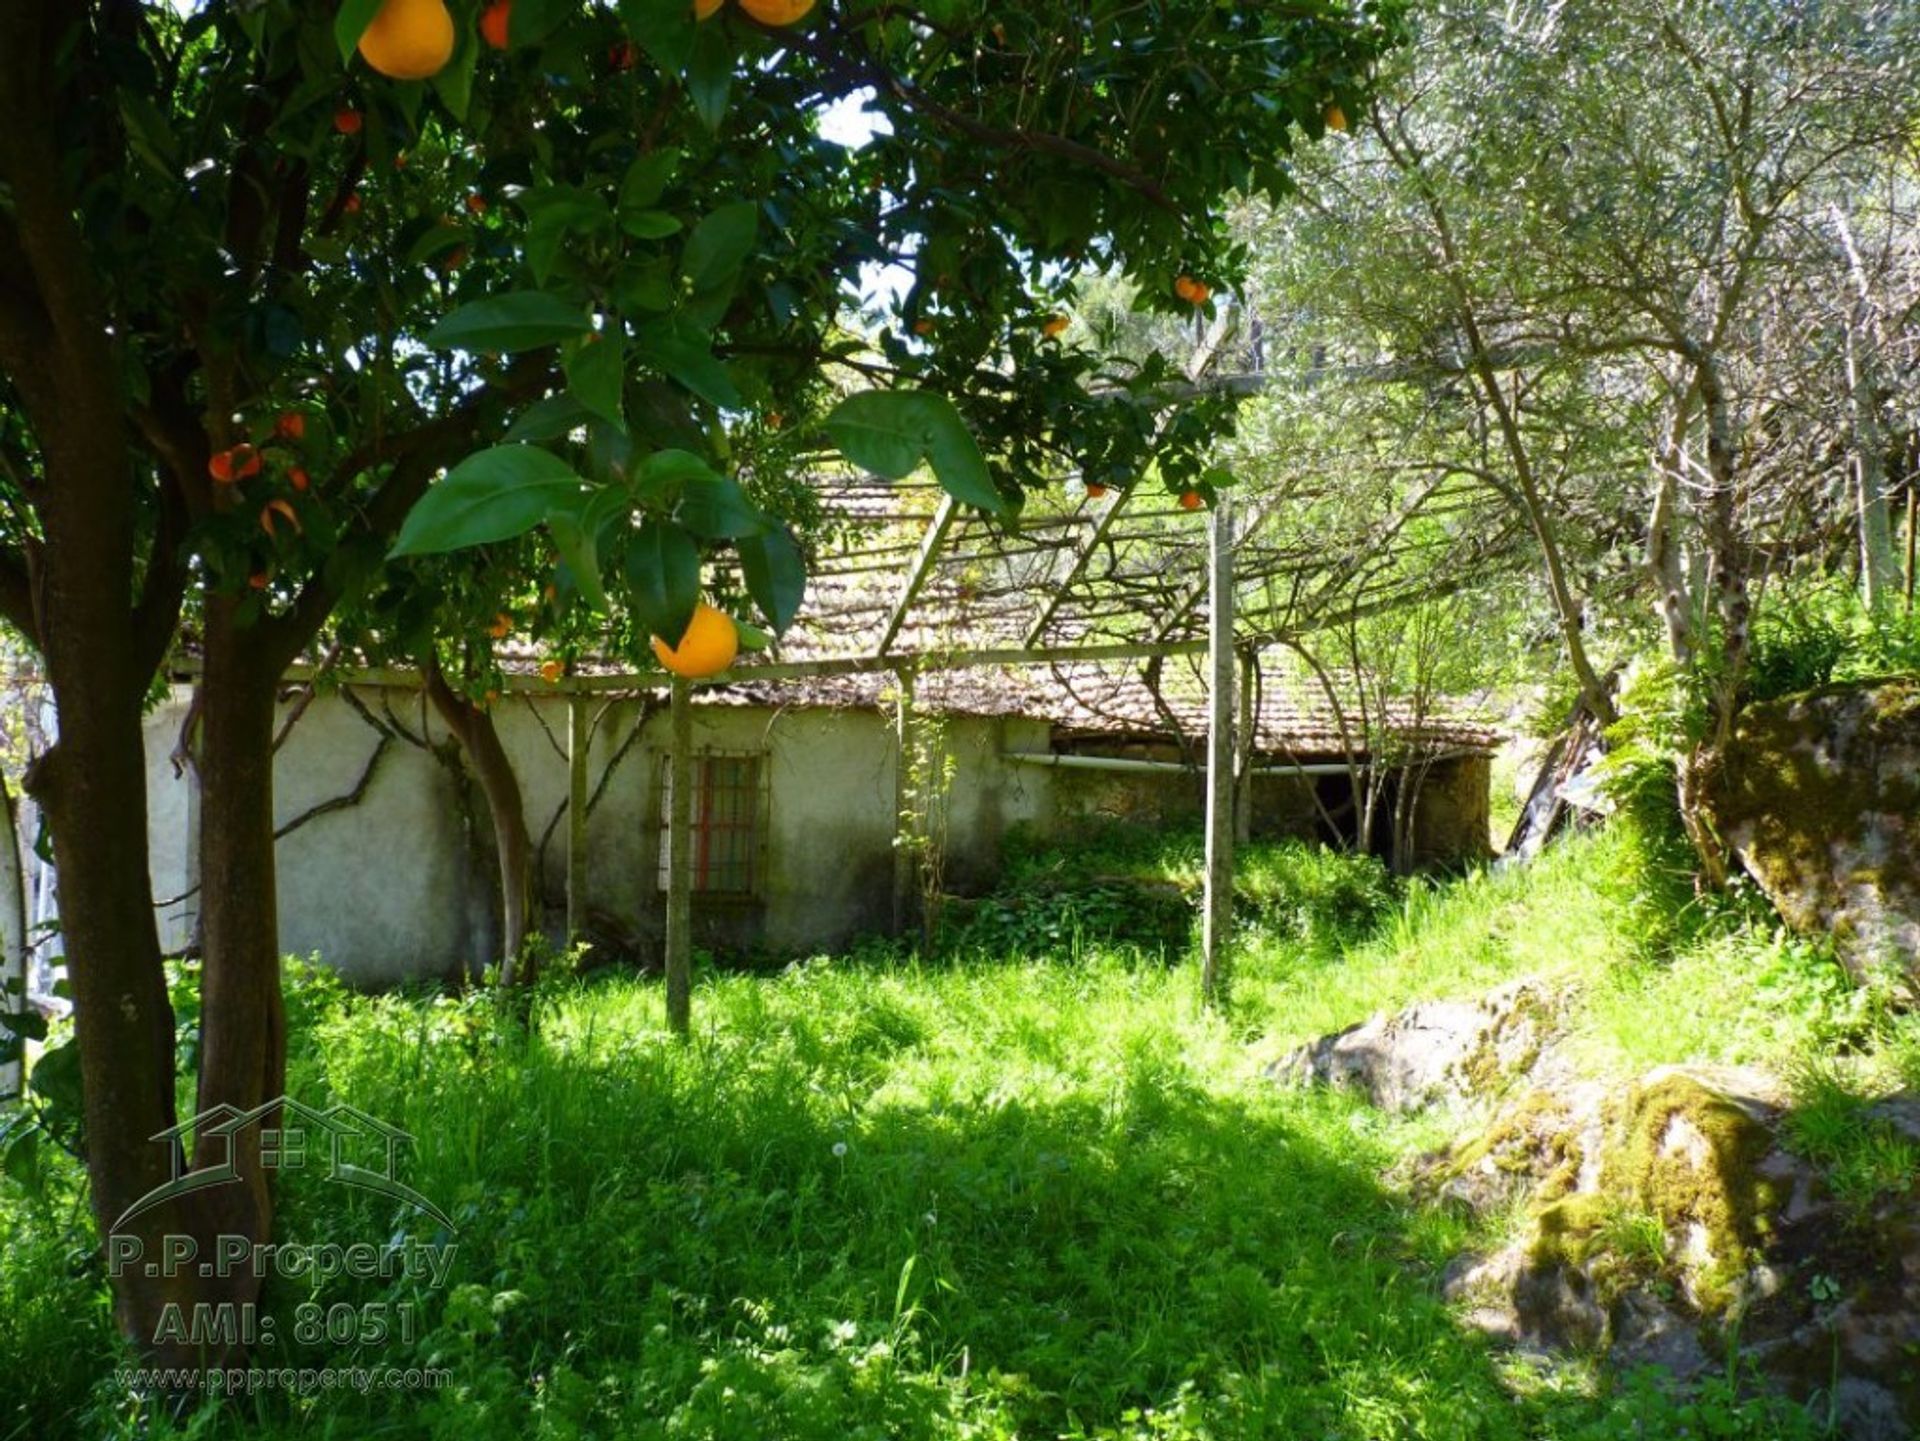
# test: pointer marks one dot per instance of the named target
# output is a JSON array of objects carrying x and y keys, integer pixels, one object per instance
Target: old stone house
[{"x": 385, "y": 856}]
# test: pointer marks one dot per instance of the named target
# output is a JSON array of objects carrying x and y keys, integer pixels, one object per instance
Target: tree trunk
[
  {"x": 92, "y": 788},
  {"x": 243, "y": 1040},
  {"x": 480, "y": 739},
  {"x": 1879, "y": 566}
]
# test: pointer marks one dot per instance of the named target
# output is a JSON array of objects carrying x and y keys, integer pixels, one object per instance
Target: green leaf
[
  {"x": 720, "y": 245},
  {"x": 576, "y": 525},
  {"x": 647, "y": 178},
  {"x": 649, "y": 224},
  {"x": 663, "y": 579},
  {"x": 454, "y": 82},
  {"x": 958, "y": 463},
  {"x": 554, "y": 213},
  {"x": 664, "y": 472},
  {"x": 664, "y": 29},
  {"x": 532, "y": 21},
  {"x": 548, "y": 419},
  {"x": 56, "y": 1080},
  {"x": 892, "y": 432},
  {"x": 776, "y": 575},
  {"x": 685, "y": 354},
  {"x": 716, "y": 508},
  {"x": 645, "y": 285},
  {"x": 596, "y": 375},
  {"x": 710, "y": 72},
  {"x": 436, "y": 240},
  {"x": 351, "y": 23},
  {"x": 494, "y": 495},
  {"x": 519, "y": 320}
]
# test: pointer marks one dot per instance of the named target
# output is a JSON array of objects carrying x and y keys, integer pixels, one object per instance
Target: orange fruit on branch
[
  {"x": 709, "y": 646},
  {"x": 1056, "y": 325},
  {"x": 502, "y": 626},
  {"x": 299, "y": 478},
  {"x": 409, "y": 39},
  {"x": 552, "y": 670},
  {"x": 1190, "y": 500},
  {"x": 777, "y": 12},
  {"x": 229, "y": 467},
  {"x": 1336, "y": 118},
  {"x": 1194, "y": 292},
  {"x": 290, "y": 425},
  {"x": 1095, "y": 490},
  {"x": 706, "y": 9},
  {"x": 348, "y": 120},
  {"x": 493, "y": 23}
]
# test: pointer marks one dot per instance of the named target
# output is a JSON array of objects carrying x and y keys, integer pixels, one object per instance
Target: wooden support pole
[
  {"x": 680, "y": 862},
  {"x": 904, "y": 870},
  {"x": 13, "y": 949},
  {"x": 579, "y": 733},
  {"x": 1913, "y": 515},
  {"x": 1217, "y": 922},
  {"x": 1246, "y": 742}
]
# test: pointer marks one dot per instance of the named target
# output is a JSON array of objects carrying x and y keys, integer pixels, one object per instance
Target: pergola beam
[
  {"x": 1083, "y": 553},
  {"x": 918, "y": 573}
]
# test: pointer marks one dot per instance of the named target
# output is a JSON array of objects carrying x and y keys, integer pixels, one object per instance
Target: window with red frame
[{"x": 725, "y": 823}]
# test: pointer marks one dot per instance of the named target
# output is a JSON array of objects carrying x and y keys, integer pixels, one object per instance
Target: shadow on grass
[{"x": 998, "y": 1201}]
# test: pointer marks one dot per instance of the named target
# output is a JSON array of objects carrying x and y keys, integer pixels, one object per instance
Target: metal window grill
[{"x": 726, "y": 823}]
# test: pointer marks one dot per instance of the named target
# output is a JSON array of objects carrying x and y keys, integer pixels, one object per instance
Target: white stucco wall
[{"x": 400, "y": 885}]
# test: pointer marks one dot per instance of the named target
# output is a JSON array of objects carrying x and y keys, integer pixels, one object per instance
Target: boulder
[
  {"x": 1666, "y": 1222},
  {"x": 1819, "y": 796},
  {"x": 1434, "y": 1051}
]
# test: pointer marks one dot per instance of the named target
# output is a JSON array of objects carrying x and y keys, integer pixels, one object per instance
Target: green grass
[{"x": 990, "y": 1198}]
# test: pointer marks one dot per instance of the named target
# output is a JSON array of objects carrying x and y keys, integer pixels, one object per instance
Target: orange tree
[{"x": 256, "y": 297}]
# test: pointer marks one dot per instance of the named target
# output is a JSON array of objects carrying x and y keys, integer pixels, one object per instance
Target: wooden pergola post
[
  {"x": 13, "y": 943},
  {"x": 1217, "y": 922},
  {"x": 904, "y": 869},
  {"x": 680, "y": 861},
  {"x": 579, "y": 738}
]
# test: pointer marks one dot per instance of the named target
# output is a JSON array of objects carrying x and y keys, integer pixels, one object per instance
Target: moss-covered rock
[
  {"x": 1668, "y": 1220},
  {"x": 1819, "y": 795}
]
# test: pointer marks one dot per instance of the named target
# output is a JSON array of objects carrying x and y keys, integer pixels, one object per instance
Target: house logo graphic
[{"x": 350, "y": 1137}]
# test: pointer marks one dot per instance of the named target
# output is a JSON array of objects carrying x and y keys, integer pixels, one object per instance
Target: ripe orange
[
  {"x": 258, "y": 580},
  {"x": 299, "y": 478},
  {"x": 709, "y": 646},
  {"x": 1336, "y": 118},
  {"x": 706, "y": 9},
  {"x": 923, "y": 327},
  {"x": 502, "y": 626},
  {"x": 354, "y": 204},
  {"x": 1190, "y": 500},
  {"x": 1056, "y": 325},
  {"x": 290, "y": 425},
  {"x": 348, "y": 120},
  {"x": 493, "y": 23},
  {"x": 231, "y": 466},
  {"x": 409, "y": 39},
  {"x": 1192, "y": 291},
  {"x": 777, "y": 12},
  {"x": 1095, "y": 490},
  {"x": 477, "y": 204},
  {"x": 552, "y": 670}
]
